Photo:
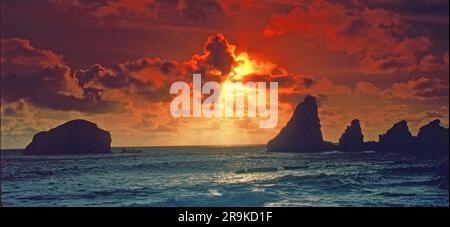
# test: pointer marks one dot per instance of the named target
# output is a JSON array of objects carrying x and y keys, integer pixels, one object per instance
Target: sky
[{"x": 113, "y": 61}]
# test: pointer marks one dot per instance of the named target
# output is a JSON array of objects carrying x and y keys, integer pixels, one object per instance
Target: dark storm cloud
[
  {"x": 43, "y": 79},
  {"x": 43, "y": 89},
  {"x": 218, "y": 54},
  {"x": 147, "y": 77}
]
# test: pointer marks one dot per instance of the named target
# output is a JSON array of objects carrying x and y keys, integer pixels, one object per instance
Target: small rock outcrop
[
  {"x": 302, "y": 133},
  {"x": 352, "y": 139},
  {"x": 73, "y": 137},
  {"x": 397, "y": 139}
]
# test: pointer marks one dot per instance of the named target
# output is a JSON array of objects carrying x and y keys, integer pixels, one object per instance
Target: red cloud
[{"x": 379, "y": 38}]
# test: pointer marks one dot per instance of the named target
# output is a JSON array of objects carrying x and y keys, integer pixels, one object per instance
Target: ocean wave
[
  {"x": 269, "y": 169},
  {"x": 221, "y": 177},
  {"x": 245, "y": 197},
  {"x": 409, "y": 170},
  {"x": 257, "y": 170},
  {"x": 295, "y": 167},
  {"x": 430, "y": 182},
  {"x": 395, "y": 194},
  {"x": 331, "y": 152}
]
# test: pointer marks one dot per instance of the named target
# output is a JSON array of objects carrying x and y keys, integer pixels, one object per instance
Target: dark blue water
[{"x": 220, "y": 176}]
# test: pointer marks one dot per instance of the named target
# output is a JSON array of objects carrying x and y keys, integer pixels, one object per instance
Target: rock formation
[
  {"x": 397, "y": 139},
  {"x": 73, "y": 137},
  {"x": 302, "y": 132},
  {"x": 433, "y": 139},
  {"x": 352, "y": 139},
  {"x": 370, "y": 146}
]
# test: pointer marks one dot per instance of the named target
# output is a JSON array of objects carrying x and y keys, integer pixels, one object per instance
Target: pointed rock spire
[
  {"x": 352, "y": 139},
  {"x": 302, "y": 133}
]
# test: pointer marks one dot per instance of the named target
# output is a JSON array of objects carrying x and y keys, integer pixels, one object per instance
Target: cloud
[
  {"x": 197, "y": 10},
  {"x": 19, "y": 56},
  {"x": 18, "y": 109},
  {"x": 435, "y": 114},
  {"x": 320, "y": 87},
  {"x": 108, "y": 9},
  {"x": 232, "y": 7},
  {"x": 366, "y": 88},
  {"x": 383, "y": 42},
  {"x": 218, "y": 54},
  {"x": 421, "y": 88},
  {"x": 430, "y": 63},
  {"x": 42, "y": 78},
  {"x": 148, "y": 78}
]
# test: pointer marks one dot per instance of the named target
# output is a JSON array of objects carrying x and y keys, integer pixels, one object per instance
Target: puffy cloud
[
  {"x": 19, "y": 56},
  {"x": 42, "y": 78},
  {"x": 218, "y": 55},
  {"x": 48, "y": 82},
  {"x": 148, "y": 78}
]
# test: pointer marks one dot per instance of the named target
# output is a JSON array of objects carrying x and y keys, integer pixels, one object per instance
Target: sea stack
[
  {"x": 302, "y": 133},
  {"x": 397, "y": 139},
  {"x": 352, "y": 139},
  {"x": 73, "y": 137},
  {"x": 433, "y": 139}
]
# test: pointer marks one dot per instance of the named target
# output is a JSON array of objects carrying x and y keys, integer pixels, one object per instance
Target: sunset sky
[{"x": 113, "y": 61}]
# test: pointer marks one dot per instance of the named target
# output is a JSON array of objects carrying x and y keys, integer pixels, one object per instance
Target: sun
[{"x": 245, "y": 66}]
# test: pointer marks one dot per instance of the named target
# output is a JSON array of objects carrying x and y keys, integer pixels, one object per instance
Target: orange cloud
[{"x": 421, "y": 88}]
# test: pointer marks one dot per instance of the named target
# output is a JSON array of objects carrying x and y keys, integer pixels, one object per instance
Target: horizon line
[{"x": 156, "y": 146}]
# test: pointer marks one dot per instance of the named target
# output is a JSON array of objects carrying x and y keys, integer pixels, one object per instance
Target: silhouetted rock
[
  {"x": 352, "y": 139},
  {"x": 302, "y": 132},
  {"x": 73, "y": 137},
  {"x": 397, "y": 139},
  {"x": 433, "y": 139},
  {"x": 371, "y": 146}
]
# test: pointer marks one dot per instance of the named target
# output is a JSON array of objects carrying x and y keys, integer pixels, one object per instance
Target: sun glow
[{"x": 247, "y": 66}]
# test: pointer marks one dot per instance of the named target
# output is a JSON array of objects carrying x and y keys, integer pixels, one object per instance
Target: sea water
[{"x": 220, "y": 176}]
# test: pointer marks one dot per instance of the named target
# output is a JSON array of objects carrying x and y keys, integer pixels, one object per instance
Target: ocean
[{"x": 219, "y": 176}]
